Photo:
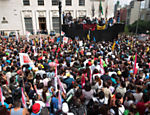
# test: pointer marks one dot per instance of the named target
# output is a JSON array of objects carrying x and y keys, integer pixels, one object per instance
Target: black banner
[{"x": 100, "y": 35}]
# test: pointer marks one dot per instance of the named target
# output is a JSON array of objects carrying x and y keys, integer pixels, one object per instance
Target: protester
[{"x": 53, "y": 76}]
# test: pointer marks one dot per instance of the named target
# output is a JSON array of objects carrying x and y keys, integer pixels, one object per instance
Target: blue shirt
[
  {"x": 7, "y": 106},
  {"x": 55, "y": 102}
]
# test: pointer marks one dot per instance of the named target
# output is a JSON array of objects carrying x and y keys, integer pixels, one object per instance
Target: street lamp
[{"x": 59, "y": 7}]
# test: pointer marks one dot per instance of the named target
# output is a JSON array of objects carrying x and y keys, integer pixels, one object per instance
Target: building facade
[
  {"x": 145, "y": 12},
  {"x": 35, "y": 15},
  {"x": 133, "y": 11}
]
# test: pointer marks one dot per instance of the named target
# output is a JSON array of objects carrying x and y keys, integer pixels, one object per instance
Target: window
[
  {"x": 55, "y": 21},
  {"x": 81, "y": 2},
  {"x": 40, "y": 2},
  {"x": 68, "y": 2},
  {"x": 28, "y": 24},
  {"x": 26, "y": 2},
  {"x": 54, "y": 2},
  {"x": 149, "y": 3}
]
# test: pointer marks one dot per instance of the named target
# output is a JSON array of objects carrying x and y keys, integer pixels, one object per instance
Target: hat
[
  {"x": 119, "y": 72},
  {"x": 36, "y": 108},
  {"x": 65, "y": 108}
]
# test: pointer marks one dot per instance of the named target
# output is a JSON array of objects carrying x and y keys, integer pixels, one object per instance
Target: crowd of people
[
  {"x": 68, "y": 19},
  {"x": 79, "y": 77}
]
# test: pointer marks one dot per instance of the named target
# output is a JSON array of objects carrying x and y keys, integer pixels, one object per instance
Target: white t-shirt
[
  {"x": 138, "y": 97},
  {"x": 120, "y": 110}
]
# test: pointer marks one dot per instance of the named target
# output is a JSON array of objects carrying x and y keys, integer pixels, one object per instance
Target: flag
[
  {"x": 25, "y": 59},
  {"x": 27, "y": 35},
  {"x": 94, "y": 39},
  {"x": 65, "y": 39},
  {"x": 35, "y": 54},
  {"x": 90, "y": 76},
  {"x": 1, "y": 96},
  {"x": 100, "y": 7},
  {"x": 55, "y": 78},
  {"x": 62, "y": 33},
  {"x": 102, "y": 68},
  {"x": 23, "y": 99},
  {"x": 59, "y": 101},
  {"x": 88, "y": 36},
  {"x": 61, "y": 86},
  {"x": 106, "y": 12},
  {"x": 16, "y": 35},
  {"x": 40, "y": 41},
  {"x": 134, "y": 68},
  {"x": 82, "y": 80},
  {"x": 113, "y": 47}
]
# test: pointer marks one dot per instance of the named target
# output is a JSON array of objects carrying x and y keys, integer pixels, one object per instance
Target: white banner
[
  {"x": 25, "y": 59},
  {"x": 65, "y": 39}
]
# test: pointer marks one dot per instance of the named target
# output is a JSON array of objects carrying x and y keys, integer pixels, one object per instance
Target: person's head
[
  {"x": 138, "y": 89},
  {"x": 105, "y": 84},
  {"x": 118, "y": 103},
  {"x": 4, "y": 111},
  {"x": 17, "y": 103},
  {"x": 118, "y": 95},
  {"x": 133, "y": 109},
  {"x": 87, "y": 86},
  {"x": 36, "y": 108},
  {"x": 130, "y": 97},
  {"x": 101, "y": 95},
  {"x": 123, "y": 84}
]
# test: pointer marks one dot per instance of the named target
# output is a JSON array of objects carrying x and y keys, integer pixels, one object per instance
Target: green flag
[{"x": 100, "y": 7}]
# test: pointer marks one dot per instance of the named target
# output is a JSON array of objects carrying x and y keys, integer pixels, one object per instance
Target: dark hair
[
  {"x": 139, "y": 89},
  {"x": 87, "y": 86},
  {"x": 101, "y": 95},
  {"x": 17, "y": 103},
  {"x": 130, "y": 97},
  {"x": 118, "y": 95},
  {"x": 4, "y": 111},
  {"x": 123, "y": 84},
  {"x": 118, "y": 103}
]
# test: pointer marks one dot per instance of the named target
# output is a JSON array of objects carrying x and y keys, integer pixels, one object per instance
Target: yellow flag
[
  {"x": 147, "y": 49},
  {"x": 88, "y": 36},
  {"x": 113, "y": 47}
]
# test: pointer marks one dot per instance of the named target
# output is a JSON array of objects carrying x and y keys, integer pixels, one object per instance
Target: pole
[
  {"x": 60, "y": 27},
  {"x": 137, "y": 24}
]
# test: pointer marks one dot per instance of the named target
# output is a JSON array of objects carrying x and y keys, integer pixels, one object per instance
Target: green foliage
[{"x": 143, "y": 26}]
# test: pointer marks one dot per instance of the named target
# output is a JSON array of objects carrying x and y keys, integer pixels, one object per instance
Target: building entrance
[{"x": 42, "y": 24}]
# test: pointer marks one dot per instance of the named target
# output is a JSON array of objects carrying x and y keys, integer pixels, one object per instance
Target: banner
[
  {"x": 23, "y": 99},
  {"x": 65, "y": 39},
  {"x": 1, "y": 96},
  {"x": 134, "y": 68},
  {"x": 25, "y": 59}
]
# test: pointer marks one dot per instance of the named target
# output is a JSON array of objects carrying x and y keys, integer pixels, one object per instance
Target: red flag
[
  {"x": 134, "y": 68},
  {"x": 23, "y": 99},
  {"x": 1, "y": 96},
  {"x": 82, "y": 80},
  {"x": 26, "y": 59}
]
